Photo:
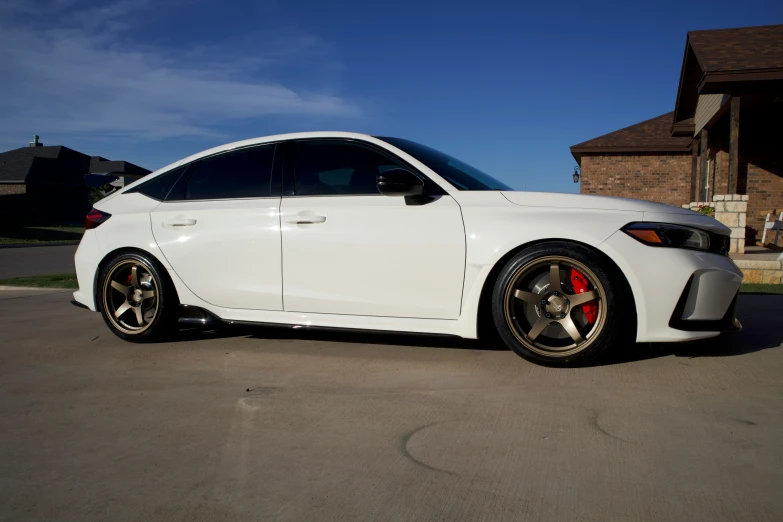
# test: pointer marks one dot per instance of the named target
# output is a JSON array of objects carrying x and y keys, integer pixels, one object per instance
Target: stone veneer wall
[
  {"x": 731, "y": 210},
  {"x": 766, "y": 272}
]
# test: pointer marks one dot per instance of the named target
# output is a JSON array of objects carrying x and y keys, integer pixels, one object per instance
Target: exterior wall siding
[
  {"x": 706, "y": 107},
  {"x": 663, "y": 178}
]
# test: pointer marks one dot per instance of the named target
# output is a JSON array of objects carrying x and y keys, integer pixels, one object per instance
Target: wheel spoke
[
  {"x": 139, "y": 318},
  {"x": 534, "y": 332},
  {"x": 554, "y": 277},
  {"x": 527, "y": 296},
  {"x": 579, "y": 299},
  {"x": 122, "y": 309},
  {"x": 135, "y": 276},
  {"x": 146, "y": 294},
  {"x": 568, "y": 325},
  {"x": 120, "y": 288}
]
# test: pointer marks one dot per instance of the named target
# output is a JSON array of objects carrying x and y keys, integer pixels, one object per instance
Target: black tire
[
  {"x": 541, "y": 330},
  {"x": 138, "y": 323}
]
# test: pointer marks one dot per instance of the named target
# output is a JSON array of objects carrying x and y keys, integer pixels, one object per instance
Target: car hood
[
  {"x": 648, "y": 211},
  {"x": 585, "y": 201}
]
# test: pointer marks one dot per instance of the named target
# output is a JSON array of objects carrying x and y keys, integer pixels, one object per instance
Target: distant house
[
  {"x": 51, "y": 184},
  {"x": 724, "y": 136}
]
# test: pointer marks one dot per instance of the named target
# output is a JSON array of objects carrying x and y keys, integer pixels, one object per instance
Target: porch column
[
  {"x": 733, "y": 144},
  {"x": 705, "y": 152},
  {"x": 694, "y": 171}
]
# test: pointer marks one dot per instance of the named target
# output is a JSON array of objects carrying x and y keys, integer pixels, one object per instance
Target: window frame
[
  {"x": 177, "y": 192},
  {"x": 139, "y": 188},
  {"x": 289, "y": 168}
]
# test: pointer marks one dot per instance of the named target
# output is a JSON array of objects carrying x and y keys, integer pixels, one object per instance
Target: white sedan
[{"x": 345, "y": 230}]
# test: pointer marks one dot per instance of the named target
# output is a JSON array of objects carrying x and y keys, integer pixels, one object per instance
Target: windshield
[{"x": 456, "y": 172}]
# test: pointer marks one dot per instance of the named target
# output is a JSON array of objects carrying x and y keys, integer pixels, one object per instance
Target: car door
[
  {"x": 219, "y": 228},
  {"x": 347, "y": 249}
]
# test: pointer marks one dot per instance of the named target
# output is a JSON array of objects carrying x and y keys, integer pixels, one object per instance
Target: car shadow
[
  {"x": 268, "y": 332},
  {"x": 759, "y": 314}
]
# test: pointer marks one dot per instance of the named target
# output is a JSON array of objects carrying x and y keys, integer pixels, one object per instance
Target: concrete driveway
[
  {"x": 256, "y": 424},
  {"x": 36, "y": 260}
]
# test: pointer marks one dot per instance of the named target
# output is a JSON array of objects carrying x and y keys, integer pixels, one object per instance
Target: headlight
[{"x": 665, "y": 235}]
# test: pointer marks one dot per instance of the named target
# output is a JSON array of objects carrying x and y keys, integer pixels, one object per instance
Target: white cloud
[{"x": 84, "y": 78}]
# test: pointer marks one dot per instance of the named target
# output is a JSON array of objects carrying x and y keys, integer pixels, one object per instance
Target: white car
[{"x": 345, "y": 230}]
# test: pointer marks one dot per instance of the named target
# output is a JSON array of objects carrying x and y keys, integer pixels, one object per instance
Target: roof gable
[
  {"x": 738, "y": 49},
  {"x": 734, "y": 61}
]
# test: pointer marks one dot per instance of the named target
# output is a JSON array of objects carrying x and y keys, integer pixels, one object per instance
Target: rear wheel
[
  {"x": 558, "y": 304},
  {"x": 137, "y": 300}
]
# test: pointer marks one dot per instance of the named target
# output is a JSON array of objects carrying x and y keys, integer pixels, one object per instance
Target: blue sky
[{"x": 505, "y": 86}]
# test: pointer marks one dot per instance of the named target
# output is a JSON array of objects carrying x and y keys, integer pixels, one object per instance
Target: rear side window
[
  {"x": 159, "y": 186},
  {"x": 326, "y": 168},
  {"x": 244, "y": 173}
]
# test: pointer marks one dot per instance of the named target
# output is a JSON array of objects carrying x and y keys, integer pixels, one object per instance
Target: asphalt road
[
  {"x": 257, "y": 424},
  {"x": 36, "y": 260}
]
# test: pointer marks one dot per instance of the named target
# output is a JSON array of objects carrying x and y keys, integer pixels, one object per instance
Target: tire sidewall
[
  {"x": 616, "y": 303},
  {"x": 165, "y": 318}
]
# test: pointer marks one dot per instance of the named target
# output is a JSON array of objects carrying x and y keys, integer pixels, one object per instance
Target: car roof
[
  {"x": 271, "y": 139},
  {"x": 246, "y": 143}
]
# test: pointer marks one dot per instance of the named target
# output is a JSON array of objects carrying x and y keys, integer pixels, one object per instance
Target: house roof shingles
[
  {"x": 653, "y": 135},
  {"x": 740, "y": 49},
  {"x": 57, "y": 164}
]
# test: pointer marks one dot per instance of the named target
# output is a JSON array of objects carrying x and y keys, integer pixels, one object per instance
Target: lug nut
[
  {"x": 543, "y": 301},
  {"x": 548, "y": 315},
  {"x": 568, "y": 302},
  {"x": 555, "y": 293},
  {"x": 562, "y": 316}
]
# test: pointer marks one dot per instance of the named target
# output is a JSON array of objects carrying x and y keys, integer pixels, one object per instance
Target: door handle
[
  {"x": 179, "y": 222},
  {"x": 304, "y": 219}
]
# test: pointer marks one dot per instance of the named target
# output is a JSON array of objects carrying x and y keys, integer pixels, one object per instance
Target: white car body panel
[
  {"x": 376, "y": 263},
  {"x": 373, "y": 255},
  {"x": 226, "y": 251}
]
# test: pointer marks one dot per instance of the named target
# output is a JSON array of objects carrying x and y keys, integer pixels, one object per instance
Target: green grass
[
  {"x": 40, "y": 235},
  {"x": 46, "y": 281},
  {"x": 756, "y": 288}
]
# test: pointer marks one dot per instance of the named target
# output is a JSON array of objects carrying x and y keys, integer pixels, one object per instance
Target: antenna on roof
[{"x": 35, "y": 142}]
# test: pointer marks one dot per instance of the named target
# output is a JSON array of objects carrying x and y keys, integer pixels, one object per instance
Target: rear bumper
[
  {"x": 680, "y": 295},
  {"x": 86, "y": 260}
]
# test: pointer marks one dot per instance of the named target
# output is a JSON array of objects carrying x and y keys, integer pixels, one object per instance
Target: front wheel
[
  {"x": 137, "y": 300},
  {"x": 559, "y": 304}
]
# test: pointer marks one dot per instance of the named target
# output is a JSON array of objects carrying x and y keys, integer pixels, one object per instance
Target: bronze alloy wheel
[
  {"x": 544, "y": 311},
  {"x": 130, "y": 296}
]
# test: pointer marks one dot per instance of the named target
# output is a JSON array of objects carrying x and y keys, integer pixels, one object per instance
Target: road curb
[
  {"x": 43, "y": 288},
  {"x": 34, "y": 245}
]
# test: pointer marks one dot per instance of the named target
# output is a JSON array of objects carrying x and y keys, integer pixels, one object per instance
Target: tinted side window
[
  {"x": 159, "y": 186},
  {"x": 333, "y": 167},
  {"x": 243, "y": 173}
]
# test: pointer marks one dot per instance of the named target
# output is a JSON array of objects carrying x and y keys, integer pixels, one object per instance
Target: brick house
[
  {"x": 724, "y": 136},
  {"x": 51, "y": 184}
]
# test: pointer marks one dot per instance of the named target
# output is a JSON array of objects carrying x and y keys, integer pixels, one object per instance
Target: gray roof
[{"x": 57, "y": 164}]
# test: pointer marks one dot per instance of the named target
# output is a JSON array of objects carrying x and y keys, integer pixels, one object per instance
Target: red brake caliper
[{"x": 580, "y": 283}]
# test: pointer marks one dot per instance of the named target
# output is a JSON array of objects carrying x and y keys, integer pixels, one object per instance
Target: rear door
[{"x": 219, "y": 228}]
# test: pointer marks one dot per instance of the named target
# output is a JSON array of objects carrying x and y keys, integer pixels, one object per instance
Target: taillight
[{"x": 95, "y": 218}]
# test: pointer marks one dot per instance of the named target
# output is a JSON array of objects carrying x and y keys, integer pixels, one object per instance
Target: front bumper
[
  {"x": 680, "y": 295},
  {"x": 695, "y": 311}
]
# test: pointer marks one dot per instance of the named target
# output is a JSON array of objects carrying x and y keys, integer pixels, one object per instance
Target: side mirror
[{"x": 399, "y": 182}]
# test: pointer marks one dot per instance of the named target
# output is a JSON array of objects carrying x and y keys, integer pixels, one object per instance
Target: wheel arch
[
  {"x": 123, "y": 250},
  {"x": 484, "y": 313}
]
